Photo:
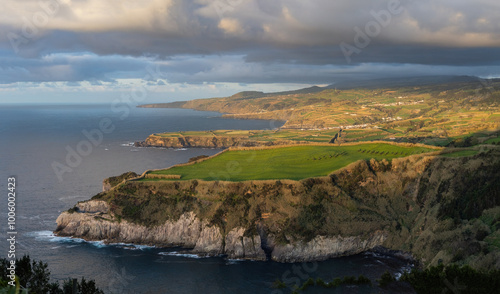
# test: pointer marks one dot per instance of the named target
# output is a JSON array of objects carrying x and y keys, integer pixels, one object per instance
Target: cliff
[
  {"x": 92, "y": 220},
  {"x": 440, "y": 209},
  {"x": 208, "y": 142}
]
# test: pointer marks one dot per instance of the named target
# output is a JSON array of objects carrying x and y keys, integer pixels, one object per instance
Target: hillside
[{"x": 430, "y": 113}]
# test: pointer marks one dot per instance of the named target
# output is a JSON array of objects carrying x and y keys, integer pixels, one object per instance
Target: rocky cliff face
[
  {"x": 207, "y": 142},
  {"x": 322, "y": 248},
  {"x": 93, "y": 221},
  {"x": 240, "y": 246},
  {"x": 190, "y": 141}
]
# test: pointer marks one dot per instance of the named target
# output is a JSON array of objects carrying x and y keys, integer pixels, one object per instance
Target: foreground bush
[{"x": 34, "y": 277}]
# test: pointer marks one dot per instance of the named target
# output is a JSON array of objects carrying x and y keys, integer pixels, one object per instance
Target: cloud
[
  {"x": 243, "y": 41},
  {"x": 230, "y": 26},
  {"x": 217, "y": 25},
  {"x": 72, "y": 67},
  {"x": 107, "y": 71}
]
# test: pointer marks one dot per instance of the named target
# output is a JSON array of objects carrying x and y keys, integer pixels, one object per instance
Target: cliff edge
[{"x": 181, "y": 141}]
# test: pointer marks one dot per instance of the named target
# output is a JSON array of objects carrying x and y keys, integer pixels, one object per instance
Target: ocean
[{"x": 38, "y": 144}]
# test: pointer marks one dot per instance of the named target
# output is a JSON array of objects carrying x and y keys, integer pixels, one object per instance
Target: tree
[
  {"x": 35, "y": 277},
  {"x": 82, "y": 287}
]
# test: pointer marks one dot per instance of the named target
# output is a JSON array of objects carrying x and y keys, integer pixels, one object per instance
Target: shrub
[
  {"x": 320, "y": 282},
  {"x": 335, "y": 283},
  {"x": 278, "y": 284},
  {"x": 363, "y": 280},
  {"x": 385, "y": 279},
  {"x": 34, "y": 277},
  {"x": 309, "y": 282},
  {"x": 438, "y": 279},
  {"x": 349, "y": 280}
]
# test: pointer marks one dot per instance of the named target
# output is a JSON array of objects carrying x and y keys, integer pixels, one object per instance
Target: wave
[
  {"x": 235, "y": 261},
  {"x": 49, "y": 236},
  {"x": 404, "y": 269},
  {"x": 128, "y": 246},
  {"x": 187, "y": 255}
]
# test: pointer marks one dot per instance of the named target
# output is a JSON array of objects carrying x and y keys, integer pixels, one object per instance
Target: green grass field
[
  {"x": 493, "y": 141},
  {"x": 461, "y": 153},
  {"x": 295, "y": 163}
]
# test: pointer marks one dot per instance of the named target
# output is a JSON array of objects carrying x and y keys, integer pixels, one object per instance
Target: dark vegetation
[
  {"x": 150, "y": 209},
  {"x": 480, "y": 190},
  {"x": 34, "y": 277},
  {"x": 311, "y": 283},
  {"x": 196, "y": 158},
  {"x": 447, "y": 279},
  {"x": 113, "y": 181}
]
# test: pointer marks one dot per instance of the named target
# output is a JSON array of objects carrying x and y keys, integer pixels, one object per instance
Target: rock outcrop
[
  {"x": 240, "y": 246},
  {"x": 110, "y": 182},
  {"x": 93, "y": 221},
  {"x": 322, "y": 248},
  {"x": 208, "y": 142}
]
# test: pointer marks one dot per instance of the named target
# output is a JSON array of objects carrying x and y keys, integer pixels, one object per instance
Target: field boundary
[
  {"x": 335, "y": 145},
  {"x": 143, "y": 175}
]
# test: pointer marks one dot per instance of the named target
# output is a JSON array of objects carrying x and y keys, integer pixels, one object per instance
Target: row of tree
[{"x": 34, "y": 277}]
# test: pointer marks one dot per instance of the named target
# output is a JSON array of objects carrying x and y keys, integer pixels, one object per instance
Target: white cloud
[{"x": 231, "y": 26}]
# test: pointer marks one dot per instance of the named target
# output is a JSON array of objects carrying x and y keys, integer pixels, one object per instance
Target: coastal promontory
[{"x": 438, "y": 208}]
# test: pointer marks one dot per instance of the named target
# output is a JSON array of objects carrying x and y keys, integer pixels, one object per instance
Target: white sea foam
[
  {"x": 233, "y": 261},
  {"x": 50, "y": 237},
  {"x": 187, "y": 255},
  {"x": 131, "y": 246},
  {"x": 404, "y": 269}
]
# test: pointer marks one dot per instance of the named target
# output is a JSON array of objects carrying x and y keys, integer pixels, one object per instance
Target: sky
[{"x": 98, "y": 51}]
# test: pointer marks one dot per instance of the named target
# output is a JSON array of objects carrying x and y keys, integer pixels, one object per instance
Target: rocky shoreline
[
  {"x": 93, "y": 221},
  {"x": 208, "y": 142}
]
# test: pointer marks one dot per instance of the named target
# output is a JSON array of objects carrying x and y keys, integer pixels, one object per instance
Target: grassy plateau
[{"x": 294, "y": 163}]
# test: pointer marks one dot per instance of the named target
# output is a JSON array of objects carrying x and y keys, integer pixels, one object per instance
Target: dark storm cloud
[
  {"x": 69, "y": 68},
  {"x": 248, "y": 41}
]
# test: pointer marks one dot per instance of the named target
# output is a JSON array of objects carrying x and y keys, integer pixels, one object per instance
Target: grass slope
[{"x": 295, "y": 163}]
